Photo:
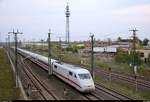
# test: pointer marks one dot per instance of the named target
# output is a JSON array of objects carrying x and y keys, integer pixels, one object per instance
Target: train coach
[{"x": 77, "y": 77}]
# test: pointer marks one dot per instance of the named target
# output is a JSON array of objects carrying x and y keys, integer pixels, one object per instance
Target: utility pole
[
  {"x": 134, "y": 49},
  {"x": 60, "y": 49},
  {"x": 49, "y": 53},
  {"x": 16, "y": 57},
  {"x": 6, "y": 43},
  {"x": 9, "y": 44},
  {"x": 92, "y": 56}
]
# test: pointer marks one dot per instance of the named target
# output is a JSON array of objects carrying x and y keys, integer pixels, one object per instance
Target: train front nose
[{"x": 89, "y": 88}]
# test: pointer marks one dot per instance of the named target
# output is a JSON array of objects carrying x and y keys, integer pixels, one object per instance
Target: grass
[
  {"x": 130, "y": 91},
  {"x": 7, "y": 82},
  {"x": 145, "y": 71}
]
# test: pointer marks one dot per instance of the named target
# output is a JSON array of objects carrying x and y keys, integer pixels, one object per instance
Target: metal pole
[
  {"x": 9, "y": 44},
  {"x": 16, "y": 57},
  {"x": 60, "y": 49},
  {"x": 49, "y": 53},
  {"x": 134, "y": 48},
  {"x": 110, "y": 74},
  {"x": 6, "y": 43},
  {"x": 92, "y": 56},
  {"x": 136, "y": 83}
]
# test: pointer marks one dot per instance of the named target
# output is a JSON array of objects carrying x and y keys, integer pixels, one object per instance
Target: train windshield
[{"x": 84, "y": 76}]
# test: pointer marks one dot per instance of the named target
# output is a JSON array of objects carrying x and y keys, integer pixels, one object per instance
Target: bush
[
  {"x": 148, "y": 60},
  {"x": 122, "y": 57}
]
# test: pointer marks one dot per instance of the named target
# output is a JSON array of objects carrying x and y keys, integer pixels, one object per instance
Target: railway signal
[{"x": 16, "y": 57}]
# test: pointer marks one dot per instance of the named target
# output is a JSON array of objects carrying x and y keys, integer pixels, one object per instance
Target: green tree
[
  {"x": 119, "y": 39},
  {"x": 137, "y": 58},
  {"x": 145, "y": 42},
  {"x": 122, "y": 57}
]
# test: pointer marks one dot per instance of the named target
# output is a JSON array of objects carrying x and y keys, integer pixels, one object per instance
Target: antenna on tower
[{"x": 67, "y": 13}]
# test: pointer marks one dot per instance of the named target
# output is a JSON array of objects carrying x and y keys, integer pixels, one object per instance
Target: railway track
[
  {"x": 33, "y": 82},
  {"x": 113, "y": 93},
  {"x": 86, "y": 96},
  {"x": 141, "y": 82},
  {"x": 39, "y": 86},
  {"x": 131, "y": 80},
  {"x": 92, "y": 96},
  {"x": 123, "y": 77},
  {"x": 43, "y": 88}
]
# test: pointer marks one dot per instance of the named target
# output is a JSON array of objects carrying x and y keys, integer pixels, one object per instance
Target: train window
[
  {"x": 75, "y": 76},
  {"x": 70, "y": 73},
  {"x": 84, "y": 76},
  {"x": 55, "y": 66}
]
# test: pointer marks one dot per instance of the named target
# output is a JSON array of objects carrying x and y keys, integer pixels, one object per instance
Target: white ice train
[{"x": 77, "y": 77}]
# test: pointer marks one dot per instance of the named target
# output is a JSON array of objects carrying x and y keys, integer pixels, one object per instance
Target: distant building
[
  {"x": 102, "y": 43},
  {"x": 98, "y": 43},
  {"x": 144, "y": 54},
  {"x": 84, "y": 52},
  {"x": 108, "y": 49}
]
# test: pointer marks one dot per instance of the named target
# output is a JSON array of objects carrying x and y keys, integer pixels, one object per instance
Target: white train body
[{"x": 77, "y": 77}]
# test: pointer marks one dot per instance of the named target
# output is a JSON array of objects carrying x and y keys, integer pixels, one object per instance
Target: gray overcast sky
[{"x": 104, "y": 18}]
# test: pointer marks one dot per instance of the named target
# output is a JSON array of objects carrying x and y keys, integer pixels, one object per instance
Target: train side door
[
  {"x": 75, "y": 78},
  {"x": 72, "y": 77}
]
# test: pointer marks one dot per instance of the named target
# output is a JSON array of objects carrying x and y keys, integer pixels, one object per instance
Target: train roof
[
  {"x": 73, "y": 68},
  {"x": 70, "y": 67},
  {"x": 43, "y": 58}
]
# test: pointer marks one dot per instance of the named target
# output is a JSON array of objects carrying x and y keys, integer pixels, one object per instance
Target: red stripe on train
[{"x": 67, "y": 79}]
